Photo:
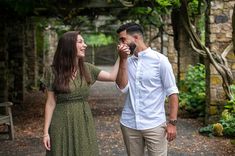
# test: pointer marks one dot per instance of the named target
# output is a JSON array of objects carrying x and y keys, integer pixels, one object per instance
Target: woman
[{"x": 69, "y": 129}]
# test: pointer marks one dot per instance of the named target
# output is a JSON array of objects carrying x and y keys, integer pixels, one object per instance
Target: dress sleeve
[
  {"x": 46, "y": 82},
  {"x": 93, "y": 70}
]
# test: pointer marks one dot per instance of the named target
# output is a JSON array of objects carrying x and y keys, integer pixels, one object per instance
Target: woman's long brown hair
[{"x": 66, "y": 62}]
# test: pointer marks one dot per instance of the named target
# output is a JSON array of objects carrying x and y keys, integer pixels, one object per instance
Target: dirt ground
[{"x": 106, "y": 103}]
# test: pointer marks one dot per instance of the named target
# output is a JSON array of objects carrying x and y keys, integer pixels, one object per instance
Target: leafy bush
[
  {"x": 192, "y": 91},
  {"x": 223, "y": 127},
  {"x": 227, "y": 120},
  {"x": 229, "y": 127}
]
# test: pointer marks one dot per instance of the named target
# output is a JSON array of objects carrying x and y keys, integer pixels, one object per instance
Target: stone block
[
  {"x": 213, "y": 93},
  {"x": 215, "y": 80},
  {"x": 221, "y": 37},
  {"x": 230, "y": 14},
  {"x": 216, "y": 12},
  {"x": 182, "y": 75},
  {"x": 213, "y": 110},
  {"x": 214, "y": 47},
  {"x": 215, "y": 28},
  {"x": 233, "y": 66},
  {"x": 213, "y": 71},
  {"x": 221, "y": 18},
  {"x": 165, "y": 51},
  {"x": 229, "y": 35},
  {"x": 231, "y": 3},
  {"x": 212, "y": 38},
  {"x": 215, "y": 5},
  {"x": 172, "y": 58},
  {"x": 231, "y": 56},
  {"x": 211, "y": 19},
  {"x": 221, "y": 94},
  {"x": 226, "y": 27}
]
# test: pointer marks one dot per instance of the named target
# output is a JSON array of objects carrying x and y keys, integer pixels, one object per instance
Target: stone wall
[
  {"x": 12, "y": 62},
  {"x": 51, "y": 41},
  {"x": 30, "y": 55},
  {"x": 3, "y": 64},
  {"x": 219, "y": 31}
]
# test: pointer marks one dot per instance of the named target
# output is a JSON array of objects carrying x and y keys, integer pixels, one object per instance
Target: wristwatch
[{"x": 172, "y": 122}]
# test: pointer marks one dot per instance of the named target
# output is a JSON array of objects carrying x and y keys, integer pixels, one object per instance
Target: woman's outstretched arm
[{"x": 109, "y": 76}]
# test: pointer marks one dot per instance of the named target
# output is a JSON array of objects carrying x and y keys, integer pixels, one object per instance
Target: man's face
[{"x": 127, "y": 39}]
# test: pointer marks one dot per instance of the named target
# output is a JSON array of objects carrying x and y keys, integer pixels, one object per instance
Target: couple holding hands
[{"x": 142, "y": 74}]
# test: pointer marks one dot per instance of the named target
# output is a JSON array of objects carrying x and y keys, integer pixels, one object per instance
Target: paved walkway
[{"x": 106, "y": 103}]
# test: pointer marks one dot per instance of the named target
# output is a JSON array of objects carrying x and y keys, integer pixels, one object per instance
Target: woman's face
[{"x": 81, "y": 46}]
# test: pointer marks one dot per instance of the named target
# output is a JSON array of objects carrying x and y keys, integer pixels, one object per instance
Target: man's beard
[{"x": 132, "y": 47}]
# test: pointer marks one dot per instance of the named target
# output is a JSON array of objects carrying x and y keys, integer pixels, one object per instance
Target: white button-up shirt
[{"x": 150, "y": 80}]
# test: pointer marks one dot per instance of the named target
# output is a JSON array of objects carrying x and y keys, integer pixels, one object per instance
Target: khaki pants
[{"x": 154, "y": 139}]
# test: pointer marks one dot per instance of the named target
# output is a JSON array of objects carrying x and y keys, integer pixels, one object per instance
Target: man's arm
[
  {"x": 122, "y": 78},
  {"x": 173, "y": 106},
  {"x": 173, "y": 110}
]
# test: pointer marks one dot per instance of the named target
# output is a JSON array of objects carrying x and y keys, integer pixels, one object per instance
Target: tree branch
[{"x": 218, "y": 61}]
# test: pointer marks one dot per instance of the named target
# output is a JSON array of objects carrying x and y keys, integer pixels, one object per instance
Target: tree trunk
[{"x": 186, "y": 55}]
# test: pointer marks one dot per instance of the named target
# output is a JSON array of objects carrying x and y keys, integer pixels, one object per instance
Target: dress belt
[{"x": 69, "y": 99}]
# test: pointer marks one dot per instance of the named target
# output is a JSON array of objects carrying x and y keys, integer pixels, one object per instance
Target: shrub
[
  {"x": 192, "y": 91},
  {"x": 227, "y": 121}
]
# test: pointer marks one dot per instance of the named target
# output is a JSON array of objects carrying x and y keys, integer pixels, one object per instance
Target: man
[{"x": 146, "y": 77}]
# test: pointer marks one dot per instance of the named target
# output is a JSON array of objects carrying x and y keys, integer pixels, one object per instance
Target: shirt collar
[{"x": 141, "y": 53}]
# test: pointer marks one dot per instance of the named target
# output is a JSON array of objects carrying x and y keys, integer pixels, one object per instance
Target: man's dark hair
[{"x": 131, "y": 28}]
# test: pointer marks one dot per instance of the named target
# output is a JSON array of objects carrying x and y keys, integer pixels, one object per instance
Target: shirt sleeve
[
  {"x": 167, "y": 77},
  {"x": 94, "y": 71},
  {"x": 47, "y": 80},
  {"x": 125, "y": 89}
]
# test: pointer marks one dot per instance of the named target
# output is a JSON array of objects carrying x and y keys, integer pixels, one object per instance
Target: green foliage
[
  {"x": 228, "y": 115},
  {"x": 230, "y": 105},
  {"x": 196, "y": 7},
  {"x": 149, "y": 12},
  {"x": 227, "y": 118},
  {"x": 167, "y": 3},
  {"x": 20, "y": 7},
  {"x": 229, "y": 127},
  {"x": 98, "y": 39},
  {"x": 192, "y": 94},
  {"x": 207, "y": 130}
]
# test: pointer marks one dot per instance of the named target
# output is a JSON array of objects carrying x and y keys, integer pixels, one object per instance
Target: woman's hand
[
  {"x": 46, "y": 141},
  {"x": 123, "y": 51}
]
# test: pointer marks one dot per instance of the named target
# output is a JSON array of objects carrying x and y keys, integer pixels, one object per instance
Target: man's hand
[
  {"x": 171, "y": 132},
  {"x": 123, "y": 51}
]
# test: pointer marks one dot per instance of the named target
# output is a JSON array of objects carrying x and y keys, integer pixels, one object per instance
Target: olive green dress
[{"x": 72, "y": 130}]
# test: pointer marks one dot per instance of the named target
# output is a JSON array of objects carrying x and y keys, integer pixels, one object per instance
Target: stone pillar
[
  {"x": 219, "y": 35},
  {"x": 3, "y": 63},
  {"x": 30, "y": 55},
  {"x": 14, "y": 48},
  {"x": 187, "y": 56},
  {"x": 51, "y": 41},
  {"x": 169, "y": 47}
]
